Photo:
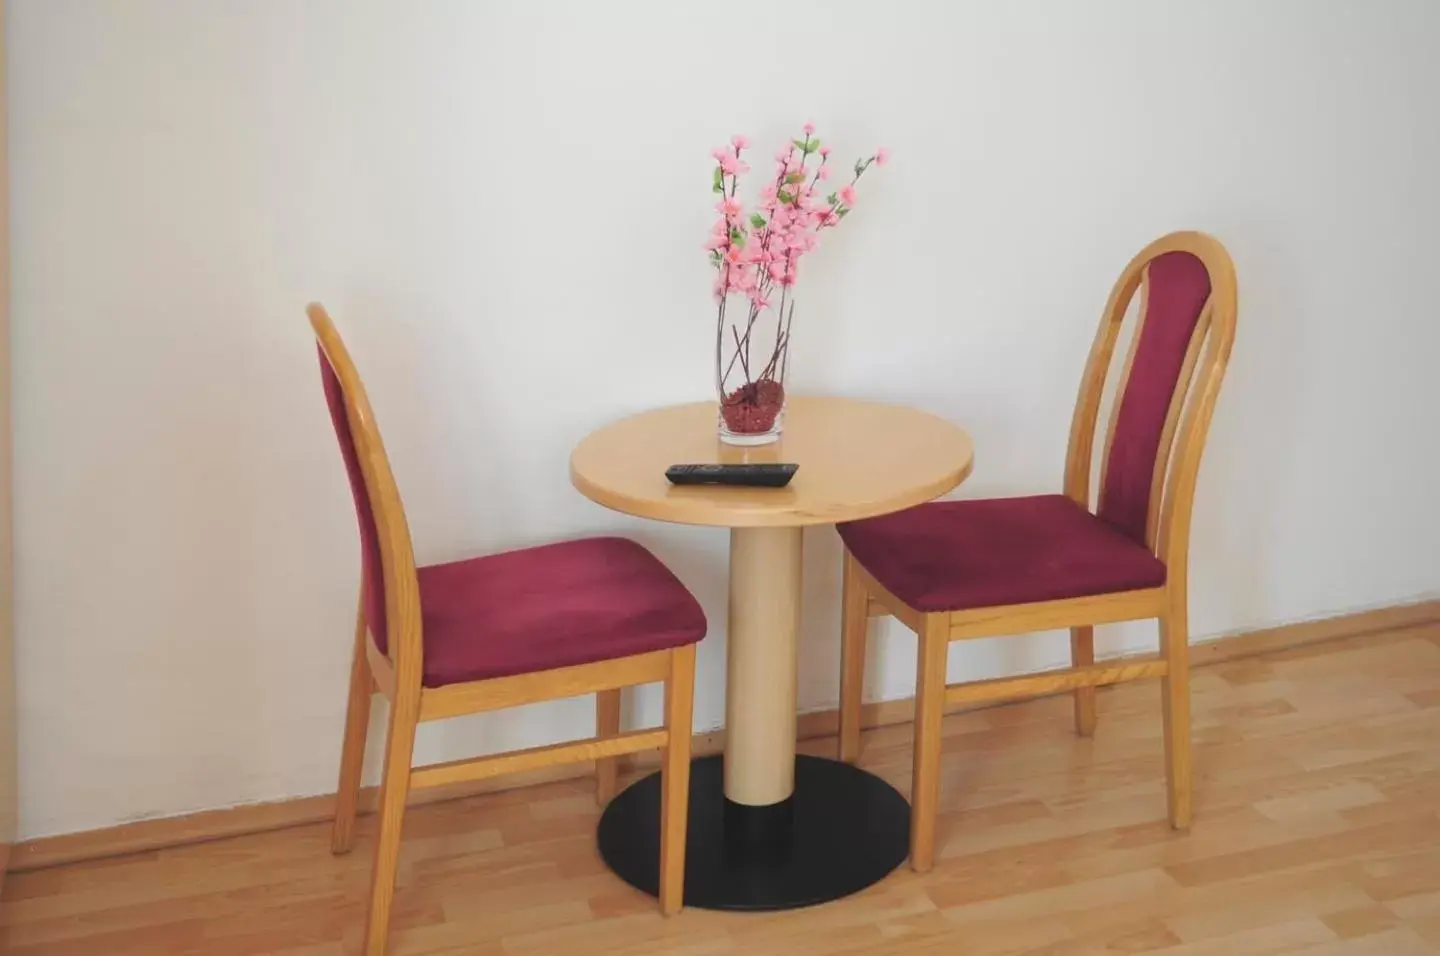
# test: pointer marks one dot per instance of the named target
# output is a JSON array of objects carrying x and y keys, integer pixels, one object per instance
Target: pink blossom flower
[
  {"x": 847, "y": 195},
  {"x": 759, "y": 301},
  {"x": 734, "y": 254},
  {"x": 882, "y": 156},
  {"x": 777, "y": 271},
  {"x": 784, "y": 154},
  {"x": 717, "y": 242},
  {"x": 733, "y": 165},
  {"x": 731, "y": 207},
  {"x": 719, "y": 153},
  {"x": 809, "y": 129},
  {"x": 740, "y": 141},
  {"x": 822, "y": 174},
  {"x": 824, "y": 152}
]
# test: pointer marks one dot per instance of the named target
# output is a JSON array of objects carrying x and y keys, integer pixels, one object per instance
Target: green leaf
[
  {"x": 814, "y": 145},
  {"x": 795, "y": 178},
  {"x": 859, "y": 166},
  {"x": 832, "y": 199},
  {"x": 800, "y": 145},
  {"x": 757, "y": 221},
  {"x": 843, "y": 213},
  {"x": 783, "y": 196},
  {"x": 718, "y": 183}
]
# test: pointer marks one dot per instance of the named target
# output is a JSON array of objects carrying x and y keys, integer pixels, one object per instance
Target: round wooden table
[{"x": 768, "y": 831}]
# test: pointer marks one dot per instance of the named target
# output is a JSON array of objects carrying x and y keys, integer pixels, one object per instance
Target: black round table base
[{"x": 843, "y": 830}]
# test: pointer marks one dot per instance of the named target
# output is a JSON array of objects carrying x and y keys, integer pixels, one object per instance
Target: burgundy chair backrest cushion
[
  {"x": 1179, "y": 287},
  {"x": 372, "y": 575}
]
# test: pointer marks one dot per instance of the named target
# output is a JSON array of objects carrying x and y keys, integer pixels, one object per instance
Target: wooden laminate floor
[{"x": 1317, "y": 831}]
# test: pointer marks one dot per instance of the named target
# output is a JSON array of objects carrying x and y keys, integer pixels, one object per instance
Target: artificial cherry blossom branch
[{"x": 753, "y": 254}]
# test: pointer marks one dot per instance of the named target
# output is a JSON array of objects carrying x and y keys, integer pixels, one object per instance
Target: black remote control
[{"x": 748, "y": 476}]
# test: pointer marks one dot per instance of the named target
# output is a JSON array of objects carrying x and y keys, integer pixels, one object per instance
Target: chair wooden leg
[
  {"x": 1082, "y": 652},
  {"x": 607, "y": 724},
  {"x": 394, "y": 788},
  {"x": 929, "y": 711},
  {"x": 854, "y": 622},
  {"x": 1175, "y": 645},
  {"x": 352, "y": 751},
  {"x": 675, "y": 778}
]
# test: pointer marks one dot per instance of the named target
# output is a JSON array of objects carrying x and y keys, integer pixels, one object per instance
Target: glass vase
[{"x": 752, "y": 353}]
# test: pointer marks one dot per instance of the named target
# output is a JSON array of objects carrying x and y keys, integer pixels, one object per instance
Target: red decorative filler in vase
[{"x": 756, "y": 258}]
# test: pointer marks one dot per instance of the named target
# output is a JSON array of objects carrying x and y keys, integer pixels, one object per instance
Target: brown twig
[{"x": 744, "y": 358}]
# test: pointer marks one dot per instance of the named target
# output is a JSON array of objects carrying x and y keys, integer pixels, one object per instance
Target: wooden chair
[
  {"x": 955, "y": 570},
  {"x": 578, "y": 617}
]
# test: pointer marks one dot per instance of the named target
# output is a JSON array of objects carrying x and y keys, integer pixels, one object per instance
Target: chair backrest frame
[
  {"x": 1192, "y": 401},
  {"x": 404, "y": 644}
]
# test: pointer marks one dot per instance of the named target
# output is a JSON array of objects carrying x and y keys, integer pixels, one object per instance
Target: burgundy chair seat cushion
[
  {"x": 575, "y": 602},
  {"x": 958, "y": 555}
]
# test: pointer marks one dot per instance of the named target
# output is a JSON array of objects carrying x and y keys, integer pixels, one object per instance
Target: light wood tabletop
[{"x": 857, "y": 459}]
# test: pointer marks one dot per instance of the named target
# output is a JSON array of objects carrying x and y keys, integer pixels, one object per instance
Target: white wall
[{"x": 503, "y": 205}]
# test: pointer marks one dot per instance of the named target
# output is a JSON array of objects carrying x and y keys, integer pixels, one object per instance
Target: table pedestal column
[
  {"x": 763, "y": 628},
  {"x": 768, "y": 830}
]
